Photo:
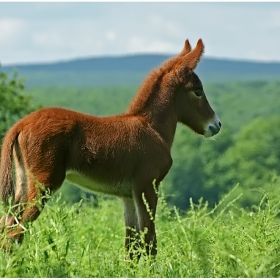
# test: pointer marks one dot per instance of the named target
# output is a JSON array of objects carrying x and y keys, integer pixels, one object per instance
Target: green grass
[{"x": 83, "y": 240}]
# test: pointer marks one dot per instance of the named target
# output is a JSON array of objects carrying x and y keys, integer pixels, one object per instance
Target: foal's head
[{"x": 191, "y": 103}]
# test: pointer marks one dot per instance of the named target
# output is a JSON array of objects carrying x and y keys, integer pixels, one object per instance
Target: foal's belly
[{"x": 121, "y": 189}]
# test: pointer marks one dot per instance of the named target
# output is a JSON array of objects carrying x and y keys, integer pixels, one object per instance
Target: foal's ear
[
  {"x": 193, "y": 57},
  {"x": 169, "y": 64},
  {"x": 187, "y": 48}
]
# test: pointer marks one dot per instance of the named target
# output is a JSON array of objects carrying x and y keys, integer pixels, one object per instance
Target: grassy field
[{"x": 83, "y": 240}]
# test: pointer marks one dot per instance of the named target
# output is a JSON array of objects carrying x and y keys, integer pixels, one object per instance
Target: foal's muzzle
[{"x": 213, "y": 127}]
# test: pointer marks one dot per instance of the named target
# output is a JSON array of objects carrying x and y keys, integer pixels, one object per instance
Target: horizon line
[{"x": 120, "y": 56}]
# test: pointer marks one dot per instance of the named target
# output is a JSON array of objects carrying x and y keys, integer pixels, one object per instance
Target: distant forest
[{"x": 130, "y": 70}]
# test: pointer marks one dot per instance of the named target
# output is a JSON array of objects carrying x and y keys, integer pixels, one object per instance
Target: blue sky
[{"x": 54, "y": 31}]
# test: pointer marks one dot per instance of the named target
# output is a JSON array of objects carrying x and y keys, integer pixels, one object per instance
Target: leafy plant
[{"x": 13, "y": 103}]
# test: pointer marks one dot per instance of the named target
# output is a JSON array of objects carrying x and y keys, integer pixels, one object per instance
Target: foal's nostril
[
  {"x": 220, "y": 125},
  {"x": 214, "y": 129}
]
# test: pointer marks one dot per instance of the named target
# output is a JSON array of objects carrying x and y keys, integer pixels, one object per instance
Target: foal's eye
[{"x": 198, "y": 92}]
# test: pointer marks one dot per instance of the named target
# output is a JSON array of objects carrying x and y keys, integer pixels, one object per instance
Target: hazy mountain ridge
[{"x": 131, "y": 69}]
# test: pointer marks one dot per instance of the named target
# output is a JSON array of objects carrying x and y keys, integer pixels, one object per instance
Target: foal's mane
[
  {"x": 146, "y": 92},
  {"x": 150, "y": 88}
]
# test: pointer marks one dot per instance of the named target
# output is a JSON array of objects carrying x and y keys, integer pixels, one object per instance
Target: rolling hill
[{"x": 131, "y": 69}]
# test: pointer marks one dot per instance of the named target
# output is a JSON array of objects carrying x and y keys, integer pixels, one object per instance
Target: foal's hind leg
[
  {"x": 132, "y": 227},
  {"x": 28, "y": 210},
  {"x": 32, "y": 205},
  {"x": 21, "y": 189}
]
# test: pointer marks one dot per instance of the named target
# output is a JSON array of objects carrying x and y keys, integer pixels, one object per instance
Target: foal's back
[{"x": 105, "y": 154}]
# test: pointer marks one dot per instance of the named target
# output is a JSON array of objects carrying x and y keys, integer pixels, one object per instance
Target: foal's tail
[{"x": 6, "y": 165}]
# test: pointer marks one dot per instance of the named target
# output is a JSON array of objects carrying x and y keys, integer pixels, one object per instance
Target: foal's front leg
[{"x": 145, "y": 200}]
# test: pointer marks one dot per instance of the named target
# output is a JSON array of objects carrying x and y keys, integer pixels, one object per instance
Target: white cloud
[
  {"x": 10, "y": 30},
  {"x": 137, "y": 44},
  {"x": 32, "y": 32},
  {"x": 110, "y": 36},
  {"x": 48, "y": 40}
]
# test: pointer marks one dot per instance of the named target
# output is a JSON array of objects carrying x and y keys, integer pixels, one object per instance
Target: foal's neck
[{"x": 156, "y": 103}]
